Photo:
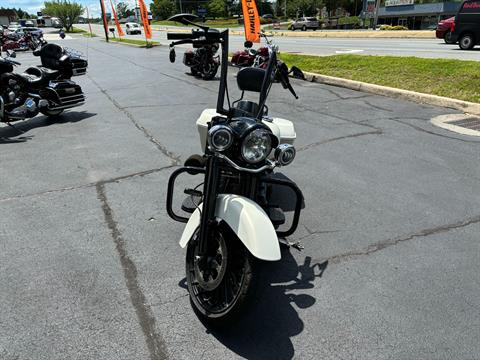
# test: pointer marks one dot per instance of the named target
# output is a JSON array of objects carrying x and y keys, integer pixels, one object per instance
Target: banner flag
[
  {"x": 104, "y": 16},
  {"x": 144, "y": 14},
  {"x": 251, "y": 21},
  {"x": 119, "y": 28},
  {"x": 89, "y": 24}
]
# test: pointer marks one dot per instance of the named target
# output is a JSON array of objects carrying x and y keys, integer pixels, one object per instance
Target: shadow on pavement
[
  {"x": 265, "y": 329},
  {"x": 9, "y": 135}
]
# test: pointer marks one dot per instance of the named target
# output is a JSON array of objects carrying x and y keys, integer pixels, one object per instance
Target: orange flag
[
  {"x": 146, "y": 24},
  {"x": 119, "y": 28},
  {"x": 251, "y": 21},
  {"x": 89, "y": 25}
]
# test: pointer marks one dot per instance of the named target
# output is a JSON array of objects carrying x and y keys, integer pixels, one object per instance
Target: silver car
[{"x": 305, "y": 23}]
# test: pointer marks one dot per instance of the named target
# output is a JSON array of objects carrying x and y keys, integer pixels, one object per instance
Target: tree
[
  {"x": 66, "y": 11},
  {"x": 162, "y": 9},
  {"x": 123, "y": 10},
  {"x": 216, "y": 8}
]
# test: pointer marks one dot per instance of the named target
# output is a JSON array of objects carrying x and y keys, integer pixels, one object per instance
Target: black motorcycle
[
  {"x": 202, "y": 59},
  {"x": 238, "y": 211},
  {"x": 46, "y": 89}
]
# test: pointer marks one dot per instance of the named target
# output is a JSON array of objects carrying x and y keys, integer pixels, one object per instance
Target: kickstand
[
  {"x": 13, "y": 126},
  {"x": 295, "y": 244}
]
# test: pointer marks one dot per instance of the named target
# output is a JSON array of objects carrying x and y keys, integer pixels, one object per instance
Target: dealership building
[{"x": 415, "y": 16}]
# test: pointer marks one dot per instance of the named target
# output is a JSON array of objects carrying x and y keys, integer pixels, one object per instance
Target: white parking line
[{"x": 53, "y": 37}]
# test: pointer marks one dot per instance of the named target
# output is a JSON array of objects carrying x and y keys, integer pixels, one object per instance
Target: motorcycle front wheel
[
  {"x": 219, "y": 283},
  {"x": 210, "y": 70}
]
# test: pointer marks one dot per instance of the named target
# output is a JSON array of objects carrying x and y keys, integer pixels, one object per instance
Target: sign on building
[{"x": 398, "y": 2}]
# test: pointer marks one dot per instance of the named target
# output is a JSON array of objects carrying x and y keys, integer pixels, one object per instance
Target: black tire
[
  {"x": 210, "y": 71},
  {"x": 51, "y": 113},
  {"x": 193, "y": 71},
  {"x": 293, "y": 28},
  {"x": 220, "y": 300},
  {"x": 304, "y": 28},
  {"x": 466, "y": 42},
  {"x": 448, "y": 38}
]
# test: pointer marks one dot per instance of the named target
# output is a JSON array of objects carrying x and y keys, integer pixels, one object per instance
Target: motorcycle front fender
[{"x": 247, "y": 220}]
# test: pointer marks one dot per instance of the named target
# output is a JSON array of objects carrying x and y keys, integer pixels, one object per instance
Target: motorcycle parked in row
[
  {"x": 259, "y": 58},
  {"x": 46, "y": 89},
  {"x": 202, "y": 59},
  {"x": 23, "y": 43},
  {"x": 236, "y": 217}
]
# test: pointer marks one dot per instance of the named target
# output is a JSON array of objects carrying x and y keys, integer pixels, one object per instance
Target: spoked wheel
[{"x": 219, "y": 283}]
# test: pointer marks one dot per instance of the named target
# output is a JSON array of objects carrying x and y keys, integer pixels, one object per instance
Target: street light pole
[{"x": 375, "y": 21}]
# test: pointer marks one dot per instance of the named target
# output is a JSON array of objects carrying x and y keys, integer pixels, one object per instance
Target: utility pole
[
  {"x": 181, "y": 10},
  {"x": 285, "y": 10},
  {"x": 375, "y": 21},
  {"x": 104, "y": 19}
]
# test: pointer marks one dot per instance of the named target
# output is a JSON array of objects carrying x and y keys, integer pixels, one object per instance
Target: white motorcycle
[{"x": 235, "y": 220}]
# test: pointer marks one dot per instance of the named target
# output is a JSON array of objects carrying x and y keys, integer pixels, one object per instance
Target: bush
[{"x": 390, "y": 27}]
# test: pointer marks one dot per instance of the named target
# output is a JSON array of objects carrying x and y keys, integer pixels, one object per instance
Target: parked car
[
  {"x": 467, "y": 25},
  {"x": 36, "y": 32},
  {"x": 444, "y": 30},
  {"x": 305, "y": 23},
  {"x": 133, "y": 28},
  {"x": 13, "y": 26}
]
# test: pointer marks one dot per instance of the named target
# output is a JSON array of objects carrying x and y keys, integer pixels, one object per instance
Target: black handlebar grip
[{"x": 179, "y": 36}]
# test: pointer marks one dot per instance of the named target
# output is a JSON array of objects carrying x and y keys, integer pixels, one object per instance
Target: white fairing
[
  {"x": 248, "y": 220},
  {"x": 283, "y": 129}
]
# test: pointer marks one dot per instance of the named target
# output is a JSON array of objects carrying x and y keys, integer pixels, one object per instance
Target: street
[
  {"x": 90, "y": 266},
  {"x": 428, "y": 48}
]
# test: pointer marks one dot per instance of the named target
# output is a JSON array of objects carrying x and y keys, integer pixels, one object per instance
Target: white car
[
  {"x": 13, "y": 26},
  {"x": 133, "y": 28}
]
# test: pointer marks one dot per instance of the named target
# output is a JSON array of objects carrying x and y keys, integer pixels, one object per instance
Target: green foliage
[
  {"x": 123, "y": 10},
  {"x": 354, "y": 20},
  {"x": 66, "y": 11},
  {"x": 389, "y": 27},
  {"x": 162, "y": 9},
  {"x": 444, "y": 77},
  {"x": 217, "y": 8},
  {"x": 309, "y": 8}
]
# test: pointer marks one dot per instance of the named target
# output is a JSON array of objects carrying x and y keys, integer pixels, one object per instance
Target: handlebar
[{"x": 179, "y": 36}]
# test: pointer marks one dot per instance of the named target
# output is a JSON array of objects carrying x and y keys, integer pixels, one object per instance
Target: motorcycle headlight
[
  {"x": 256, "y": 146},
  {"x": 220, "y": 137},
  {"x": 284, "y": 154}
]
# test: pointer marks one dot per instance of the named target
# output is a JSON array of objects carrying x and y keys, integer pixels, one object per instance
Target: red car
[{"x": 445, "y": 29}]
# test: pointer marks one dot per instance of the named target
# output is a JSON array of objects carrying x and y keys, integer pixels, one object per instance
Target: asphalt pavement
[
  {"x": 427, "y": 48},
  {"x": 90, "y": 267}
]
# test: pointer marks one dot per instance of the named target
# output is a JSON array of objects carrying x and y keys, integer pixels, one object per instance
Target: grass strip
[
  {"x": 135, "y": 42},
  {"x": 455, "y": 79},
  {"x": 76, "y": 30},
  {"x": 219, "y": 23},
  {"x": 87, "y": 34}
]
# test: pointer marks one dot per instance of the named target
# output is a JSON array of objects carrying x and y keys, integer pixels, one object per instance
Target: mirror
[
  {"x": 248, "y": 44},
  {"x": 184, "y": 19},
  {"x": 172, "y": 55},
  {"x": 62, "y": 34},
  {"x": 12, "y": 54}
]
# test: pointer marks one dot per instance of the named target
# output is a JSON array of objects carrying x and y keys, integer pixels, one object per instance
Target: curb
[
  {"x": 134, "y": 45},
  {"x": 465, "y": 106}
]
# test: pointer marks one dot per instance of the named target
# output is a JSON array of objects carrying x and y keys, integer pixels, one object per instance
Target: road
[
  {"x": 90, "y": 267},
  {"x": 428, "y": 48}
]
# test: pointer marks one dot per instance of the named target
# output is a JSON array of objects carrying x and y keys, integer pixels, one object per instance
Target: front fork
[{"x": 209, "y": 202}]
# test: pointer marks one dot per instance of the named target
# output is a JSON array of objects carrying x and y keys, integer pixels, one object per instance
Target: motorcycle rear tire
[
  {"x": 193, "y": 72},
  {"x": 237, "y": 285}
]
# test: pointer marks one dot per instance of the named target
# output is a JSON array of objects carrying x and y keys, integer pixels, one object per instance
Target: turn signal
[{"x": 284, "y": 154}]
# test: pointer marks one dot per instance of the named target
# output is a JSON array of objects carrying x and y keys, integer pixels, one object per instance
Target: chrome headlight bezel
[
  {"x": 263, "y": 138},
  {"x": 285, "y": 154},
  {"x": 214, "y": 137}
]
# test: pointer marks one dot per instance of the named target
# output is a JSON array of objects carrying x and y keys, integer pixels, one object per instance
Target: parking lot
[{"x": 90, "y": 266}]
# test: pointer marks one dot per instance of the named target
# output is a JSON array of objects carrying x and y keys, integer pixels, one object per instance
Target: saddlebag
[
  {"x": 188, "y": 57},
  {"x": 68, "y": 94},
  {"x": 79, "y": 66}
]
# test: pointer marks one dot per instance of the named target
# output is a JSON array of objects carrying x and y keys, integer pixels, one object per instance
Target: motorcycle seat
[{"x": 40, "y": 75}]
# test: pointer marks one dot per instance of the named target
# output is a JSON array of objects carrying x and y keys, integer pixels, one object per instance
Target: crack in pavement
[
  {"x": 398, "y": 120},
  {"x": 318, "y": 143},
  {"x": 84, "y": 186},
  {"x": 395, "y": 241},
  {"x": 377, "y": 107},
  {"x": 174, "y": 158},
  {"x": 155, "y": 343}
]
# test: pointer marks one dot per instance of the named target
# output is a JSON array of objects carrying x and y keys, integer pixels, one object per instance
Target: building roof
[
  {"x": 8, "y": 13},
  {"x": 420, "y": 9}
]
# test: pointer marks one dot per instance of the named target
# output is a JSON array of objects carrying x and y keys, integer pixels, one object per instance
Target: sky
[{"x": 32, "y": 6}]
